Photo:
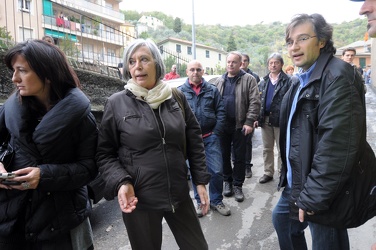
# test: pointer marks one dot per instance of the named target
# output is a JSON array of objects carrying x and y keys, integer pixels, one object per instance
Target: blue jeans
[
  {"x": 291, "y": 232},
  {"x": 233, "y": 140},
  {"x": 215, "y": 168}
]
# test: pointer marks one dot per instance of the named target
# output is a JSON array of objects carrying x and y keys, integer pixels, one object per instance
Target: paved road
[{"x": 248, "y": 227}]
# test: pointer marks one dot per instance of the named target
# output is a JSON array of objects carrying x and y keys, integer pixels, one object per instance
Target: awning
[{"x": 60, "y": 34}]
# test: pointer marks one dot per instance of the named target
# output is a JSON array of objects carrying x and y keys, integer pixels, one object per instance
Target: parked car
[{"x": 180, "y": 81}]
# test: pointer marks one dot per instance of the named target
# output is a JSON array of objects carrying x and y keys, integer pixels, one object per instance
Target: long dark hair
[{"x": 49, "y": 63}]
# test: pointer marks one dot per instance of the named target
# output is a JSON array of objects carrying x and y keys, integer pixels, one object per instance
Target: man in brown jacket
[{"x": 242, "y": 103}]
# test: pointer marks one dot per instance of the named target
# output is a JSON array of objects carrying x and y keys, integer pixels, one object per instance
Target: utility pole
[{"x": 193, "y": 31}]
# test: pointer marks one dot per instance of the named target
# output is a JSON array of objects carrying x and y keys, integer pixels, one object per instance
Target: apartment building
[
  {"x": 213, "y": 59},
  {"x": 92, "y": 31}
]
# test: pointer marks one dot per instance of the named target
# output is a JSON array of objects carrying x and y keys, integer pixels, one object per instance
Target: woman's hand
[
  {"x": 204, "y": 199},
  {"x": 127, "y": 199},
  {"x": 29, "y": 178},
  {"x": 2, "y": 170}
]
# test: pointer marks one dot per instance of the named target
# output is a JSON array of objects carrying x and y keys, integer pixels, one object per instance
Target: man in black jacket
[
  {"x": 272, "y": 89},
  {"x": 248, "y": 150},
  {"x": 322, "y": 126}
]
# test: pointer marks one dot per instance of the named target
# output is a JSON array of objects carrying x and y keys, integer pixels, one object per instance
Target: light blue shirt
[{"x": 303, "y": 78}]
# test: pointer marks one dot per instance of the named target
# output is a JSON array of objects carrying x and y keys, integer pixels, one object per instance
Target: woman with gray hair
[{"x": 143, "y": 141}]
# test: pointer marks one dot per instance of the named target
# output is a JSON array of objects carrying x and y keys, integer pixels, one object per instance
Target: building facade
[
  {"x": 92, "y": 31},
  {"x": 213, "y": 59}
]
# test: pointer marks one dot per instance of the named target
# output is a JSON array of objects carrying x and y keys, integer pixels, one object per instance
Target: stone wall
[{"x": 96, "y": 86}]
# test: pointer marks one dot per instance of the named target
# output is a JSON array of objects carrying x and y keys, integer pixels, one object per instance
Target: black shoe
[
  {"x": 265, "y": 178},
  {"x": 239, "y": 196},
  {"x": 248, "y": 171},
  {"x": 228, "y": 191}
]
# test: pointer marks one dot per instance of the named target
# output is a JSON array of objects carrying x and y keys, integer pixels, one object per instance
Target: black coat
[
  {"x": 134, "y": 146},
  {"x": 327, "y": 129},
  {"x": 281, "y": 88},
  {"x": 63, "y": 146}
]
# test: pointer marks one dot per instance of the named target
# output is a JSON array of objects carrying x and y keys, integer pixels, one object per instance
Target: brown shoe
[{"x": 265, "y": 178}]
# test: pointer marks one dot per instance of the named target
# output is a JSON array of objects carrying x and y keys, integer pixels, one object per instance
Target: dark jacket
[
  {"x": 207, "y": 107},
  {"x": 249, "y": 71},
  {"x": 281, "y": 88},
  {"x": 133, "y": 147},
  {"x": 247, "y": 98},
  {"x": 63, "y": 146},
  {"x": 327, "y": 129}
]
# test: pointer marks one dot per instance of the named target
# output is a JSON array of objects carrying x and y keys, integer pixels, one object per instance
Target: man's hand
[
  {"x": 247, "y": 129},
  {"x": 204, "y": 199},
  {"x": 301, "y": 215},
  {"x": 127, "y": 199}
]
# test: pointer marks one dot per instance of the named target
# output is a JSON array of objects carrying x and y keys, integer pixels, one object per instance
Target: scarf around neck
[{"x": 154, "y": 97}]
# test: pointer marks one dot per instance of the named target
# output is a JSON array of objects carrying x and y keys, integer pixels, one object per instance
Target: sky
[{"x": 247, "y": 12}]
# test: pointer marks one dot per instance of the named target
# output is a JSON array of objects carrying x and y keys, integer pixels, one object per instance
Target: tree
[
  {"x": 231, "y": 46},
  {"x": 68, "y": 46},
  {"x": 6, "y": 39},
  {"x": 177, "y": 25}
]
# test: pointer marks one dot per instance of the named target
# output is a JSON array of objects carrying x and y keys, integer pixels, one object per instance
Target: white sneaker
[{"x": 199, "y": 211}]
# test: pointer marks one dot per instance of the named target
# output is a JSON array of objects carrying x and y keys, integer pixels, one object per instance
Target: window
[
  {"x": 189, "y": 50},
  {"x": 24, "y": 5},
  {"x": 219, "y": 57},
  {"x": 207, "y": 52},
  {"x": 25, "y": 33},
  {"x": 178, "y": 48}
]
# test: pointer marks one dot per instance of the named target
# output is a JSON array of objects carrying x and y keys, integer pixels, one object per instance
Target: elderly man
[{"x": 207, "y": 105}]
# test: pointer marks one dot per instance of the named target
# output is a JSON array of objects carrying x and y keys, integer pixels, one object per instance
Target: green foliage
[
  {"x": 177, "y": 25},
  {"x": 69, "y": 47},
  {"x": 144, "y": 35},
  {"x": 231, "y": 45},
  {"x": 131, "y": 15},
  {"x": 6, "y": 39}
]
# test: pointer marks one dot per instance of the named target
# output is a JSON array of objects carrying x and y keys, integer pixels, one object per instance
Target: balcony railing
[
  {"x": 92, "y": 8},
  {"x": 83, "y": 30}
]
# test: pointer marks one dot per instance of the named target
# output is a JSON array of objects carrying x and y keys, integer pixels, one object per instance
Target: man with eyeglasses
[
  {"x": 322, "y": 128},
  {"x": 206, "y": 103},
  {"x": 242, "y": 104},
  {"x": 272, "y": 88}
]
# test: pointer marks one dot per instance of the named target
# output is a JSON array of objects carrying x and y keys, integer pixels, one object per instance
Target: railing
[{"x": 92, "y": 8}]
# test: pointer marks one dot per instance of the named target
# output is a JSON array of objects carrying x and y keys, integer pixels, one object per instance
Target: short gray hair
[
  {"x": 133, "y": 46},
  {"x": 276, "y": 56}
]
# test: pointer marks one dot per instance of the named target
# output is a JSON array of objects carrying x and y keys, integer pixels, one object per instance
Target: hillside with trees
[{"x": 259, "y": 40}]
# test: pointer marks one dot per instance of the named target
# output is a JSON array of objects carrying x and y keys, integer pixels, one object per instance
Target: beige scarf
[{"x": 154, "y": 97}]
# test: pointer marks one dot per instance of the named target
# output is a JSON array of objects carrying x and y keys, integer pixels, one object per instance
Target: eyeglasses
[
  {"x": 193, "y": 70},
  {"x": 298, "y": 41}
]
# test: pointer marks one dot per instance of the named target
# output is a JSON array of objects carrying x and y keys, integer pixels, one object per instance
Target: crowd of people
[{"x": 151, "y": 135}]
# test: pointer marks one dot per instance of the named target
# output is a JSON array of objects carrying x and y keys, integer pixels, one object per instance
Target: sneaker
[
  {"x": 227, "y": 191},
  {"x": 199, "y": 211},
  {"x": 248, "y": 171},
  {"x": 239, "y": 196},
  {"x": 221, "y": 208}
]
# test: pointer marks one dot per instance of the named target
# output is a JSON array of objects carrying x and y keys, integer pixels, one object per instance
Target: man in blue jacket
[{"x": 206, "y": 103}]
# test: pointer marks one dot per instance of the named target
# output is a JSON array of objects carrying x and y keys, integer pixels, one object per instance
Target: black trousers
[
  {"x": 144, "y": 228},
  {"x": 233, "y": 144}
]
